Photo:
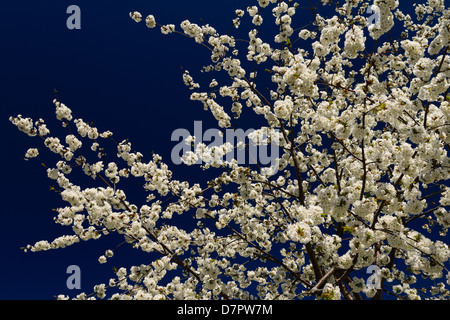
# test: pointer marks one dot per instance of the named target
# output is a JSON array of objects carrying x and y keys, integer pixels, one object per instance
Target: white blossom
[
  {"x": 136, "y": 16},
  {"x": 150, "y": 21},
  {"x": 32, "y": 153}
]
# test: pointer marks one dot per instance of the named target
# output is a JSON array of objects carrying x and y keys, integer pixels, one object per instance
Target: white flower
[
  {"x": 413, "y": 50},
  {"x": 189, "y": 81},
  {"x": 54, "y": 144},
  {"x": 167, "y": 29},
  {"x": 354, "y": 42},
  {"x": 32, "y": 153},
  {"x": 136, "y": 16},
  {"x": 95, "y": 146},
  {"x": 42, "y": 245},
  {"x": 189, "y": 158},
  {"x": 252, "y": 11},
  {"x": 150, "y": 21},
  {"x": 423, "y": 68},
  {"x": 43, "y": 130},
  {"x": 283, "y": 108},
  {"x": 263, "y": 3},
  {"x": 62, "y": 111},
  {"x": 331, "y": 292},
  {"x": 192, "y": 30},
  {"x": 257, "y": 20},
  {"x": 305, "y": 34},
  {"x": 319, "y": 49},
  {"x": 92, "y": 133},
  {"x": 299, "y": 232},
  {"x": 100, "y": 290},
  {"x": 106, "y": 134},
  {"x": 73, "y": 142}
]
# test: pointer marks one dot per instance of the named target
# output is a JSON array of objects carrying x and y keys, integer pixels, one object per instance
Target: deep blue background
[{"x": 122, "y": 76}]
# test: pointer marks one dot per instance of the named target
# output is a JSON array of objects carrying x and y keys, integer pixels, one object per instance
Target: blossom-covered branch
[{"x": 360, "y": 118}]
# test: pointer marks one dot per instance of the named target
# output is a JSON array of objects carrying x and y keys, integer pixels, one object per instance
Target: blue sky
[{"x": 120, "y": 75}]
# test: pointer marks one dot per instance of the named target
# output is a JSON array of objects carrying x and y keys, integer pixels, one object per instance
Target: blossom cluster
[{"x": 364, "y": 137}]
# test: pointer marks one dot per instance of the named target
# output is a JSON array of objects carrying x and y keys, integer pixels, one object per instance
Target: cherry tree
[{"x": 361, "y": 120}]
